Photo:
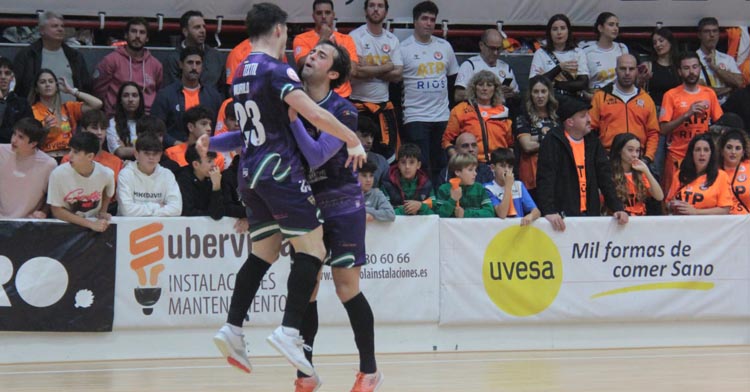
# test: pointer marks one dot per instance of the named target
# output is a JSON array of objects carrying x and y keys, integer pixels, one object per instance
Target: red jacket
[{"x": 118, "y": 67}]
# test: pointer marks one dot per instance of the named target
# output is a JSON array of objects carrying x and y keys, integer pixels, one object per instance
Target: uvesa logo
[{"x": 147, "y": 249}]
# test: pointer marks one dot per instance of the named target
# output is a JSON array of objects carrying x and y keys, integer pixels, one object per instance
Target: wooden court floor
[{"x": 725, "y": 369}]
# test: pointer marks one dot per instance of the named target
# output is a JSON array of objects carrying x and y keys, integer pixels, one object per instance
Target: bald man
[
  {"x": 490, "y": 47},
  {"x": 621, "y": 107},
  {"x": 466, "y": 143}
]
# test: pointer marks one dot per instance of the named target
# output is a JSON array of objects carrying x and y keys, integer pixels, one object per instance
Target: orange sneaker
[
  {"x": 307, "y": 384},
  {"x": 368, "y": 382}
]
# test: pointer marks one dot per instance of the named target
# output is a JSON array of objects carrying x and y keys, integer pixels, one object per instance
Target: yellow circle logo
[{"x": 522, "y": 271}]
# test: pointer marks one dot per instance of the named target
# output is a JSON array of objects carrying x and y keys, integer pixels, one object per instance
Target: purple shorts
[
  {"x": 284, "y": 207},
  {"x": 344, "y": 237}
]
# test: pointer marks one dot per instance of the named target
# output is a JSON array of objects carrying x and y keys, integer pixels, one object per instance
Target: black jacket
[
  {"x": 16, "y": 108},
  {"x": 169, "y": 105},
  {"x": 557, "y": 178},
  {"x": 28, "y": 62},
  {"x": 198, "y": 199}
]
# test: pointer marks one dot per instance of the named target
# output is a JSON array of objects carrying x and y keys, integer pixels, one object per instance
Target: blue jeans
[{"x": 428, "y": 136}]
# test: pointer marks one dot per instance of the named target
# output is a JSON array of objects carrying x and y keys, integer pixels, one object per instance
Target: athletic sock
[
  {"x": 360, "y": 316},
  {"x": 246, "y": 286},
  {"x": 303, "y": 277},
  {"x": 308, "y": 330}
]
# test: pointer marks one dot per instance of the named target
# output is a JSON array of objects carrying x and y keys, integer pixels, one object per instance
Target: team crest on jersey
[
  {"x": 683, "y": 104},
  {"x": 640, "y": 103},
  {"x": 723, "y": 67},
  {"x": 438, "y": 56},
  {"x": 703, "y": 186},
  {"x": 741, "y": 178},
  {"x": 742, "y": 168},
  {"x": 292, "y": 75},
  {"x": 386, "y": 48},
  {"x": 501, "y": 74},
  {"x": 484, "y": 113}
]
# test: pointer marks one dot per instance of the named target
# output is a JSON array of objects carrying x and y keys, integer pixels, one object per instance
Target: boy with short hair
[
  {"x": 197, "y": 122},
  {"x": 95, "y": 121},
  {"x": 407, "y": 187},
  {"x": 366, "y": 130},
  {"x": 464, "y": 197},
  {"x": 509, "y": 197},
  {"x": 144, "y": 187},
  {"x": 25, "y": 172},
  {"x": 200, "y": 185},
  {"x": 150, "y": 124},
  {"x": 82, "y": 188},
  {"x": 377, "y": 206}
]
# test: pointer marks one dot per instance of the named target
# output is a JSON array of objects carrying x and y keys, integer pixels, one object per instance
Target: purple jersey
[
  {"x": 270, "y": 151},
  {"x": 336, "y": 187}
]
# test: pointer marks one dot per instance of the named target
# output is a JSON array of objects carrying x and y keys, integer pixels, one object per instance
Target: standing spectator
[
  {"x": 621, "y": 107},
  {"x": 129, "y": 63},
  {"x": 323, "y": 16},
  {"x": 465, "y": 143},
  {"x": 25, "y": 172},
  {"x": 82, "y": 188},
  {"x": 738, "y": 104},
  {"x": 188, "y": 91},
  {"x": 12, "y": 106},
  {"x": 657, "y": 76},
  {"x": 601, "y": 55},
  {"x": 483, "y": 114},
  {"x": 194, "y": 31},
  {"x": 235, "y": 57},
  {"x": 467, "y": 198},
  {"x": 700, "y": 187},
  {"x": 685, "y": 113},
  {"x": 200, "y": 186},
  {"x": 408, "y": 188},
  {"x": 509, "y": 197},
  {"x": 428, "y": 61},
  {"x": 366, "y": 130},
  {"x": 145, "y": 188},
  {"x": 490, "y": 47},
  {"x": 50, "y": 52},
  {"x": 58, "y": 117},
  {"x": 379, "y": 64},
  {"x": 121, "y": 132},
  {"x": 538, "y": 118},
  {"x": 633, "y": 179},
  {"x": 377, "y": 206},
  {"x": 718, "y": 70},
  {"x": 560, "y": 60},
  {"x": 735, "y": 161},
  {"x": 574, "y": 169}
]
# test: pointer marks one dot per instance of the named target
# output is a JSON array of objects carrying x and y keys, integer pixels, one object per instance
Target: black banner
[{"x": 56, "y": 277}]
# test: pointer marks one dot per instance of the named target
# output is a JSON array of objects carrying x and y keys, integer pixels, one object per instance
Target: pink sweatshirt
[{"x": 118, "y": 67}]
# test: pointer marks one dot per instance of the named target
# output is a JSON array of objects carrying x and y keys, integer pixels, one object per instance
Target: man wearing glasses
[
  {"x": 718, "y": 70},
  {"x": 490, "y": 47}
]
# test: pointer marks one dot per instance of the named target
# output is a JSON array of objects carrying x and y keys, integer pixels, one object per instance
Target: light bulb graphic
[{"x": 147, "y": 248}]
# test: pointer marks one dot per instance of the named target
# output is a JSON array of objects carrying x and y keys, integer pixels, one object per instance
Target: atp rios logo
[
  {"x": 147, "y": 249},
  {"x": 522, "y": 271}
]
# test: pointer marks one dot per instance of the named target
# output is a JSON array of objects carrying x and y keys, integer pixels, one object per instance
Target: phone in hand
[{"x": 507, "y": 82}]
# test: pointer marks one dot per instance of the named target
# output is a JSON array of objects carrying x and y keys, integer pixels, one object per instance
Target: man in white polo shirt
[
  {"x": 490, "y": 47},
  {"x": 718, "y": 70}
]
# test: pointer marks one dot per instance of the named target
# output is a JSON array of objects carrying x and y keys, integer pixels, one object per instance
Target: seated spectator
[
  {"x": 483, "y": 114},
  {"x": 574, "y": 169},
  {"x": 700, "y": 187},
  {"x": 95, "y": 121},
  {"x": 58, "y": 117},
  {"x": 12, "y": 106},
  {"x": 197, "y": 122},
  {"x": 735, "y": 161},
  {"x": 200, "y": 185},
  {"x": 193, "y": 28},
  {"x": 366, "y": 129},
  {"x": 131, "y": 62},
  {"x": 463, "y": 197},
  {"x": 82, "y": 188},
  {"x": 509, "y": 197},
  {"x": 233, "y": 205},
  {"x": 51, "y": 52},
  {"x": 25, "y": 172},
  {"x": 226, "y": 121},
  {"x": 407, "y": 187},
  {"x": 633, "y": 179},
  {"x": 377, "y": 206},
  {"x": 466, "y": 143},
  {"x": 121, "y": 133},
  {"x": 153, "y": 125},
  {"x": 538, "y": 117},
  {"x": 144, "y": 188}
]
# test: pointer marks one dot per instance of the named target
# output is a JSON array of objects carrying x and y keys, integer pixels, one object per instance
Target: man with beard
[
  {"x": 379, "y": 64},
  {"x": 685, "y": 112},
  {"x": 194, "y": 30},
  {"x": 623, "y": 108},
  {"x": 130, "y": 63},
  {"x": 175, "y": 99}
]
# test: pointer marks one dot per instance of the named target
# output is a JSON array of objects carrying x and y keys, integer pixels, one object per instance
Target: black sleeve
[
  {"x": 579, "y": 84},
  {"x": 232, "y": 206},
  {"x": 189, "y": 202},
  {"x": 604, "y": 178},
  {"x": 216, "y": 205},
  {"x": 545, "y": 176}
]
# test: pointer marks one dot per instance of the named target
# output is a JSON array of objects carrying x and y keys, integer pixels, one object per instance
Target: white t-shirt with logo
[
  {"x": 602, "y": 63},
  {"x": 78, "y": 194},
  {"x": 374, "y": 50},
  {"x": 426, "y": 70},
  {"x": 471, "y": 66},
  {"x": 725, "y": 62},
  {"x": 543, "y": 63}
]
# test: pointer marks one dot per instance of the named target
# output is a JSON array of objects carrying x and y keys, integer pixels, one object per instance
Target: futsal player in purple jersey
[
  {"x": 272, "y": 183},
  {"x": 339, "y": 197}
]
